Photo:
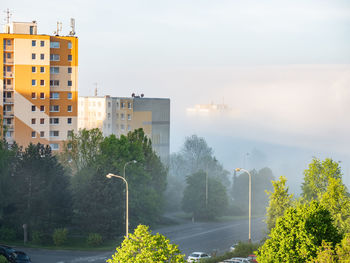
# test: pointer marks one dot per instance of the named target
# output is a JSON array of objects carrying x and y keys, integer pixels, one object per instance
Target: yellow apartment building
[
  {"x": 39, "y": 85},
  {"x": 120, "y": 115}
]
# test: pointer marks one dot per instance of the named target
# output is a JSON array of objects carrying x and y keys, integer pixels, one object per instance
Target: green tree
[
  {"x": 261, "y": 182},
  {"x": 143, "y": 247},
  {"x": 194, "y": 199},
  {"x": 42, "y": 194},
  {"x": 298, "y": 234},
  {"x": 280, "y": 200},
  {"x": 337, "y": 201},
  {"x": 343, "y": 249},
  {"x": 316, "y": 177}
]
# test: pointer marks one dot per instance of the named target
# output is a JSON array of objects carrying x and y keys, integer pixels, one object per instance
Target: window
[
  {"x": 69, "y": 108},
  {"x": 54, "y": 146},
  {"x": 54, "y": 95},
  {"x": 8, "y": 121},
  {"x": 42, "y": 121},
  {"x": 69, "y": 120},
  {"x": 129, "y": 117},
  {"x": 42, "y": 95},
  {"x": 8, "y": 55},
  {"x": 54, "y": 120},
  {"x": 8, "y": 69},
  {"x": 54, "y": 83},
  {"x": 33, "y": 82},
  {"x": 8, "y": 108},
  {"x": 129, "y": 127},
  {"x": 54, "y": 57},
  {"x": 54, "y": 44},
  {"x": 42, "y": 69},
  {"x": 69, "y": 83},
  {"x": 42, "y": 43},
  {"x": 42, "y": 108},
  {"x": 33, "y": 69},
  {"x": 69, "y": 70},
  {"x": 33, "y": 95},
  {"x": 117, "y": 116},
  {"x": 70, "y": 45},
  {"x": 122, "y": 116},
  {"x": 8, "y": 42},
  {"x": 123, "y": 105},
  {"x": 129, "y": 105},
  {"x": 54, "y": 108},
  {"x": 54, "y": 70},
  {"x": 33, "y": 43},
  {"x": 42, "y": 82},
  {"x": 109, "y": 115},
  {"x": 69, "y": 57},
  {"x": 33, "y": 121},
  {"x": 33, "y": 56},
  {"x": 122, "y": 126},
  {"x": 54, "y": 133},
  {"x": 70, "y": 133},
  {"x": 69, "y": 95},
  {"x": 33, "y": 108},
  {"x": 8, "y": 95},
  {"x": 42, "y": 56},
  {"x": 33, "y": 134},
  {"x": 42, "y": 134},
  {"x": 109, "y": 104}
]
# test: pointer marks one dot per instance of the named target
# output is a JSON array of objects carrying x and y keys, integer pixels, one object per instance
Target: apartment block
[
  {"x": 38, "y": 85},
  {"x": 120, "y": 115}
]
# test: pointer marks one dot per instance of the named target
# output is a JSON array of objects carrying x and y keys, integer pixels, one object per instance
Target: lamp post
[
  {"x": 250, "y": 200},
  {"x": 127, "y": 201},
  {"x": 133, "y": 161}
]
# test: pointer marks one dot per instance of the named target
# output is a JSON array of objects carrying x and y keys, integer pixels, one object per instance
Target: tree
[
  {"x": 261, "y": 181},
  {"x": 298, "y": 234},
  {"x": 316, "y": 177},
  {"x": 42, "y": 194},
  {"x": 143, "y": 247},
  {"x": 194, "y": 199},
  {"x": 280, "y": 200},
  {"x": 337, "y": 201}
]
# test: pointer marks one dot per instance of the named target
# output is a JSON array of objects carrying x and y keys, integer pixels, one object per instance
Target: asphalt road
[{"x": 199, "y": 236}]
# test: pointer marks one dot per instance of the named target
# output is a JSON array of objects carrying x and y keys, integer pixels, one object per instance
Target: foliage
[
  {"x": 261, "y": 181},
  {"x": 327, "y": 253},
  {"x": 337, "y": 201},
  {"x": 143, "y": 247},
  {"x": 3, "y": 259},
  {"x": 316, "y": 177},
  {"x": 60, "y": 236},
  {"x": 94, "y": 240},
  {"x": 194, "y": 199},
  {"x": 82, "y": 148},
  {"x": 241, "y": 250},
  {"x": 38, "y": 237},
  {"x": 42, "y": 198},
  {"x": 99, "y": 202},
  {"x": 194, "y": 156},
  {"x": 7, "y": 234},
  {"x": 280, "y": 200},
  {"x": 298, "y": 234}
]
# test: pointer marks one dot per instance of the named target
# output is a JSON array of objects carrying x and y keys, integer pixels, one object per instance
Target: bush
[
  {"x": 7, "y": 234},
  {"x": 60, "y": 236},
  {"x": 38, "y": 237},
  {"x": 241, "y": 250},
  {"x": 3, "y": 259},
  {"x": 94, "y": 240}
]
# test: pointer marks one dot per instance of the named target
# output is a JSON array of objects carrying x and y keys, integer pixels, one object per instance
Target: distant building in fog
[{"x": 119, "y": 115}]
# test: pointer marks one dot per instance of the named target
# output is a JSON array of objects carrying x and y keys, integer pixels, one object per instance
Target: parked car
[
  {"x": 237, "y": 260},
  {"x": 196, "y": 256},
  {"x": 20, "y": 257},
  {"x": 252, "y": 258},
  {"x": 7, "y": 252}
]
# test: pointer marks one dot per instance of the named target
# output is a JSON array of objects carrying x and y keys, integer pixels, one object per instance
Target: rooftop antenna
[
  {"x": 72, "y": 25},
  {"x": 8, "y": 15},
  {"x": 95, "y": 89},
  {"x": 59, "y": 28}
]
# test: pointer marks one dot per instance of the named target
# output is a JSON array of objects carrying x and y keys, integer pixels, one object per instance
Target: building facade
[
  {"x": 39, "y": 86},
  {"x": 120, "y": 115}
]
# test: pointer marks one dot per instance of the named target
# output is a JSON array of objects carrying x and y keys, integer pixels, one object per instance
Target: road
[{"x": 199, "y": 236}]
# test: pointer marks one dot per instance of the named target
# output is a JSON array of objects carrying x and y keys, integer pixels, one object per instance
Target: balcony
[
  {"x": 9, "y": 74},
  {"x": 8, "y": 48},
  {"x": 8, "y": 101},
  {"x": 8, "y": 114},
  {"x": 8, "y": 87},
  {"x": 9, "y": 127},
  {"x": 8, "y": 61}
]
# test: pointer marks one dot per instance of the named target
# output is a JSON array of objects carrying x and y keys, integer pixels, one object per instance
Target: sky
[{"x": 283, "y": 67}]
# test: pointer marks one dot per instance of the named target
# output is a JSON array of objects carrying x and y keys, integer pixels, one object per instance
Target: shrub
[
  {"x": 60, "y": 236},
  {"x": 7, "y": 234},
  {"x": 3, "y": 259},
  {"x": 94, "y": 240},
  {"x": 37, "y": 237}
]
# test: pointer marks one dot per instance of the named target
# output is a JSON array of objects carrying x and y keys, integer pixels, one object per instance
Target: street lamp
[
  {"x": 133, "y": 161},
  {"x": 127, "y": 201},
  {"x": 250, "y": 200}
]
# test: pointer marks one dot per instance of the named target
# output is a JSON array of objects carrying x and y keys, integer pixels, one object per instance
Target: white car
[
  {"x": 196, "y": 256},
  {"x": 232, "y": 248},
  {"x": 237, "y": 260}
]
